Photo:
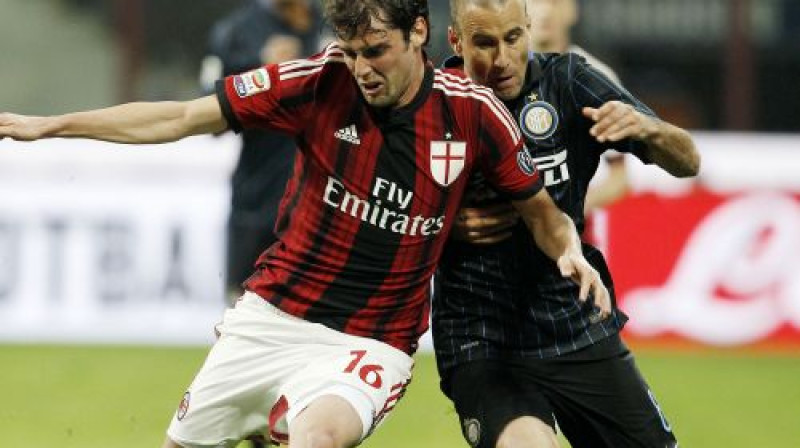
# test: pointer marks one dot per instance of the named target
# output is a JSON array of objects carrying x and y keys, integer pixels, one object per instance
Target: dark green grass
[{"x": 124, "y": 397}]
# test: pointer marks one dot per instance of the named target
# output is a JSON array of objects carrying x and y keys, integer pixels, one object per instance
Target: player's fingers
[
  {"x": 491, "y": 227},
  {"x": 504, "y": 220},
  {"x": 629, "y": 127},
  {"x": 484, "y": 230},
  {"x": 492, "y": 239},
  {"x": 600, "y": 125},
  {"x": 621, "y": 134},
  {"x": 586, "y": 284},
  {"x": 466, "y": 213},
  {"x": 566, "y": 267},
  {"x": 620, "y": 130},
  {"x": 470, "y": 213},
  {"x": 602, "y": 299},
  {"x": 489, "y": 224},
  {"x": 609, "y": 109},
  {"x": 507, "y": 223},
  {"x": 612, "y": 129},
  {"x": 609, "y": 116},
  {"x": 591, "y": 113}
]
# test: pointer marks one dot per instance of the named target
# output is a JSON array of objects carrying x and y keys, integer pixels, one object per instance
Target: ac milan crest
[
  {"x": 447, "y": 161},
  {"x": 183, "y": 408}
]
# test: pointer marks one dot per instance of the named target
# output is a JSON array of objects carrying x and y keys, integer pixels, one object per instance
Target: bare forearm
[
  {"x": 673, "y": 149},
  {"x": 138, "y": 122},
  {"x": 555, "y": 237},
  {"x": 669, "y": 146},
  {"x": 553, "y": 231}
]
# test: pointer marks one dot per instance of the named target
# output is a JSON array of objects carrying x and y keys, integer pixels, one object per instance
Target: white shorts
[{"x": 267, "y": 366}]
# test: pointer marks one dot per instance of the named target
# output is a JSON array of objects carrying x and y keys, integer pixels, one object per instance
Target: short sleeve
[
  {"x": 591, "y": 88},
  {"x": 276, "y": 97}
]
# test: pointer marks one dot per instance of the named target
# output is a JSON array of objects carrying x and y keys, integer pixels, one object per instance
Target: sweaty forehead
[{"x": 492, "y": 19}]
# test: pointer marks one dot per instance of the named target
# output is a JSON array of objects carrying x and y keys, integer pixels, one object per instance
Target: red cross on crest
[{"x": 447, "y": 161}]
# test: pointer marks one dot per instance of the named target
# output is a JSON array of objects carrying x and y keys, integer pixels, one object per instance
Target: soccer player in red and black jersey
[
  {"x": 502, "y": 316},
  {"x": 317, "y": 352}
]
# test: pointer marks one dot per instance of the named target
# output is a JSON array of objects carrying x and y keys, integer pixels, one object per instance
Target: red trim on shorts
[{"x": 278, "y": 412}]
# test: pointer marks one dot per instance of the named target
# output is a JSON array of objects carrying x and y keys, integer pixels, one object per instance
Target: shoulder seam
[{"x": 452, "y": 85}]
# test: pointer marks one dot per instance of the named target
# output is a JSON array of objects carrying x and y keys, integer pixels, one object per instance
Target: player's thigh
[
  {"x": 607, "y": 403},
  {"x": 368, "y": 375},
  {"x": 488, "y": 396},
  {"x": 236, "y": 387}
]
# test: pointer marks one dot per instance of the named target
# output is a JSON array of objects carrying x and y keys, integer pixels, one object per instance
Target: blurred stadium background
[{"x": 111, "y": 260}]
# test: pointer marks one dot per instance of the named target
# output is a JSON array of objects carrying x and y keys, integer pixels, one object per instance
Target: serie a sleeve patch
[{"x": 252, "y": 82}]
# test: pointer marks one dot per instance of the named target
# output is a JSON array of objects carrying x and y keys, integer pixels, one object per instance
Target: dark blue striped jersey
[{"x": 509, "y": 299}]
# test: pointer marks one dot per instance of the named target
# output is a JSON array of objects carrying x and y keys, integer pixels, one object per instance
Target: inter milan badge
[
  {"x": 183, "y": 408},
  {"x": 538, "y": 120},
  {"x": 472, "y": 431}
]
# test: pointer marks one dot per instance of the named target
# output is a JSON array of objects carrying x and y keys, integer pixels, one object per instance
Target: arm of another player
[
  {"x": 556, "y": 235},
  {"x": 668, "y": 146},
  {"x": 611, "y": 189},
  {"x": 157, "y": 122}
]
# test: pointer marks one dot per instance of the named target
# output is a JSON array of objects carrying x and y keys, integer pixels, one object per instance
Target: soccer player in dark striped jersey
[
  {"x": 515, "y": 346},
  {"x": 317, "y": 351}
]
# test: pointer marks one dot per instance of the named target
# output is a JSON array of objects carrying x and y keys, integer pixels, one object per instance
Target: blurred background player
[
  {"x": 551, "y": 32},
  {"x": 259, "y": 32}
]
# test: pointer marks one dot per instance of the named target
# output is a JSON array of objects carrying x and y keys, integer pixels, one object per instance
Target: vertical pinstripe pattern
[{"x": 509, "y": 299}]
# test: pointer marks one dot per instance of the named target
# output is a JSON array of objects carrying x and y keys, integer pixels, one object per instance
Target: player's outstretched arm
[
  {"x": 556, "y": 235},
  {"x": 127, "y": 123},
  {"x": 669, "y": 146}
]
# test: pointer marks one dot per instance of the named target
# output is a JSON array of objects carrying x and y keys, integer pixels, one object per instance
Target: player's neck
[{"x": 413, "y": 87}]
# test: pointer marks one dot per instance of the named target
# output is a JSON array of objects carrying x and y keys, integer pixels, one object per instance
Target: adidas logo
[{"x": 348, "y": 134}]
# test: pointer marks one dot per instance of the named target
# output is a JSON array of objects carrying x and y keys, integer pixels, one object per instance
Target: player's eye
[
  {"x": 514, "y": 36},
  {"x": 484, "y": 43},
  {"x": 373, "y": 52}
]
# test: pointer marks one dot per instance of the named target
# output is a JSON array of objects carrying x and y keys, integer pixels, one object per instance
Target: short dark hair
[{"x": 349, "y": 18}]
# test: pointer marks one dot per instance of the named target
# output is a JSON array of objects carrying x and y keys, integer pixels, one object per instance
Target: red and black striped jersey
[{"x": 374, "y": 191}]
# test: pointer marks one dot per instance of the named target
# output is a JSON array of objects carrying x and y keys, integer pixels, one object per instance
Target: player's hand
[
  {"x": 576, "y": 267},
  {"x": 615, "y": 121},
  {"x": 20, "y": 127},
  {"x": 487, "y": 225}
]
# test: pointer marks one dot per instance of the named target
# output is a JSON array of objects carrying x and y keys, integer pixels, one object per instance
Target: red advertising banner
[{"x": 713, "y": 268}]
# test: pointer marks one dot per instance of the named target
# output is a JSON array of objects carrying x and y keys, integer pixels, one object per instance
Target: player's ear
[
  {"x": 571, "y": 12},
  {"x": 454, "y": 40},
  {"x": 419, "y": 32}
]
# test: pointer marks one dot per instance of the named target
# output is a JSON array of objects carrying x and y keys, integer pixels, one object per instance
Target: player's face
[
  {"x": 493, "y": 40},
  {"x": 387, "y": 68},
  {"x": 551, "y": 20}
]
